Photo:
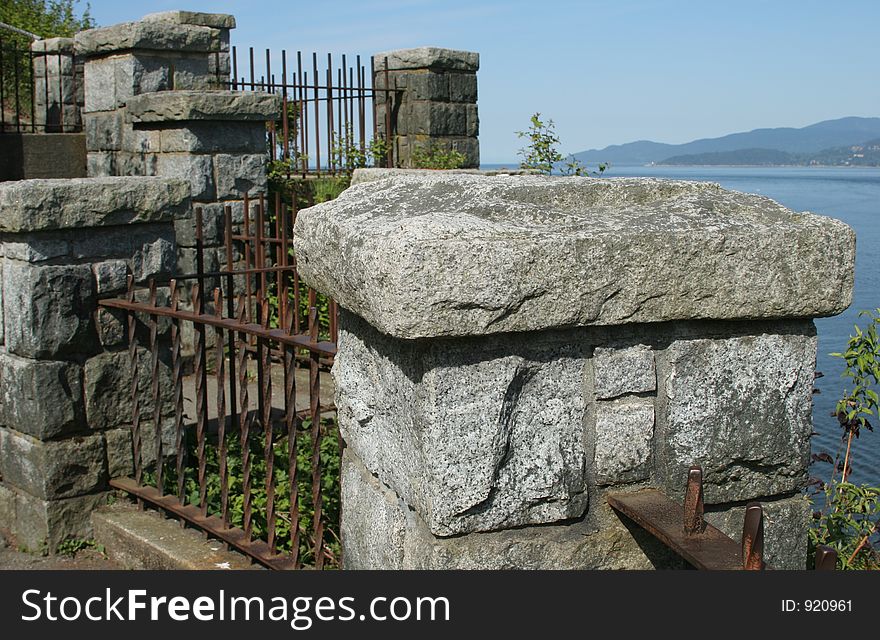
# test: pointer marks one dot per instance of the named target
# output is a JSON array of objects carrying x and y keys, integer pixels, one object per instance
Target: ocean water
[{"x": 848, "y": 194}]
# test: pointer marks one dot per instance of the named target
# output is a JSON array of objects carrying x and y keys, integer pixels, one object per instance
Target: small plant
[
  {"x": 72, "y": 546},
  {"x": 541, "y": 154},
  {"x": 435, "y": 157},
  {"x": 348, "y": 154},
  {"x": 850, "y": 519}
]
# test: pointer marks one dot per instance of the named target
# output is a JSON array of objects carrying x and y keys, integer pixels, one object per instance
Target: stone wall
[
  {"x": 65, "y": 376},
  {"x": 513, "y": 348},
  {"x": 432, "y": 102}
]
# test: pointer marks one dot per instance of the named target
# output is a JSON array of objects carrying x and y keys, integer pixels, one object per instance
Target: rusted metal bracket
[{"x": 684, "y": 530}]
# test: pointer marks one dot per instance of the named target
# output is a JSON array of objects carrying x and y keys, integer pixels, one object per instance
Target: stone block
[
  {"x": 742, "y": 408},
  {"x": 99, "y": 80},
  {"x": 469, "y": 147},
  {"x": 156, "y": 259},
  {"x": 786, "y": 530},
  {"x": 216, "y": 20},
  {"x": 103, "y": 130},
  {"x": 100, "y": 164},
  {"x": 521, "y": 253},
  {"x": 624, "y": 370},
  {"x": 42, "y": 205},
  {"x": 42, "y": 525},
  {"x": 151, "y": 35},
  {"x": 111, "y": 325},
  {"x": 111, "y": 276},
  {"x": 41, "y": 398},
  {"x": 47, "y": 309},
  {"x": 52, "y": 469},
  {"x": 107, "y": 383},
  {"x": 35, "y": 247},
  {"x": 473, "y": 444},
  {"x": 141, "y": 141},
  {"x": 379, "y": 532},
  {"x": 213, "y": 137},
  {"x": 423, "y": 86},
  {"x": 624, "y": 441},
  {"x": 188, "y": 105},
  {"x": 434, "y": 119},
  {"x": 241, "y": 174},
  {"x": 197, "y": 170},
  {"x": 120, "y": 454},
  {"x": 427, "y": 58},
  {"x": 463, "y": 87},
  {"x": 123, "y": 242},
  {"x": 213, "y": 225}
]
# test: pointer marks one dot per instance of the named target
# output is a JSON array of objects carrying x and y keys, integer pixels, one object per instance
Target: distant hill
[
  {"x": 830, "y": 134},
  {"x": 863, "y": 154}
]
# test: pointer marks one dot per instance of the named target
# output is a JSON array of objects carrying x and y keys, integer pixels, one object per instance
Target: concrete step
[{"x": 137, "y": 539}]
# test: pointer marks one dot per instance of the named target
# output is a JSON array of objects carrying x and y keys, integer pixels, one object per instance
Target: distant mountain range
[{"x": 838, "y": 142}]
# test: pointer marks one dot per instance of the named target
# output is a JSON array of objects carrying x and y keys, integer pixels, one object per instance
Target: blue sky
[{"x": 606, "y": 72}]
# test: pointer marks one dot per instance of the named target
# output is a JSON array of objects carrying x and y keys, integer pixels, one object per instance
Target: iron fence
[
  {"x": 328, "y": 122},
  {"x": 33, "y": 100},
  {"x": 259, "y": 473}
]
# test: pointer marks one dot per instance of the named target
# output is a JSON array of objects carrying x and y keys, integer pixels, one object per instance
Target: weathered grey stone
[
  {"x": 148, "y": 34},
  {"x": 119, "y": 242},
  {"x": 100, "y": 164},
  {"x": 47, "y": 309},
  {"x": 203, "y": 105},
  {"x": 472, "y": 121},
  {"x": 625, "y": 370},
  {"x": 141, "y": 141},
  {"x": 103, "y": 130},
  {"x": 427, "y": 58},
  {"x": 423, "y": 86},
  {"x": 42, "y": 525},
  {"x": 216, "y": 20},
  {"x": 35, "y": 248},
  {"x": 444, "y": 255},
  {"x": 238, "y": 175},
  {"x": 379, "y": 532},
  {"x": 120, "y": 454},
  {"x": 99, "y": 80},
  {"x": 107, "y": 382},
  {"x": 741, "y": 407},
  {"x": 38, "y": 205},
  {"x": 53, "y": 45},
  {"x": 786, "y": 530},
  {"x": 41, "y": 398},
  {"x": 463, "y": 87},
  {"x": 213, "y": 225},
  {"x": 7, "y": 510},
  {"x": 197, "y": 170},
  {"x": 211, "y": 137},
  {"x": 434, "y": 119},
  {"x": 110, "y": 276},
  {"x": 624, "y": 441},
  {"x": 111, "y": 327},
  {"x": 55, "y": 468},
  {"x": 154, "y": 260},
  {"x": 472, "y": 443},
  {"x": 372, "y": 174}
]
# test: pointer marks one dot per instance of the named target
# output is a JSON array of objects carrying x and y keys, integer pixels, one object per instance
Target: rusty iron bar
[
  {"x": 154, "y": 387},
  {"x": 244, "y": 422},
  {"x": 233, "y": 536},
  {"x": 315, "y": 414},
  {"x": 230, "y": 311},
  {"x": 276, "y": 335},
  {"x": 826, "y": 558},
  {"x": 220, "y": 377},
  {"x": 753, "y": 538},
  {"x": 291, "y": 423},
  {"x": 135, "y": 395},
  {"x": 199, "y": 367},
  {"x": 268, "y": 433},
  {"x": 177, "y": 384},
  {"x": 693, "y": 503},
  {"x": 246, "y": 230}
]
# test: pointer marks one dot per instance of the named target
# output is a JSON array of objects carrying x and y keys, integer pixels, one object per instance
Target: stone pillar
[
  {"x": 161, "y": 52},
  {"x": 433, "y": 104},
  {"x": 513, "y": 348},
  {"x": 65, "y": 379},
  {"x": 215, "y": 140},
  {"x": 58, "y": 87}
]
